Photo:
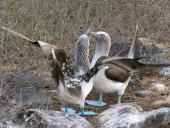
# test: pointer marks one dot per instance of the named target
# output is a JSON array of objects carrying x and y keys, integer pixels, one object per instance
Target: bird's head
[{"x": 101, "y": 36}]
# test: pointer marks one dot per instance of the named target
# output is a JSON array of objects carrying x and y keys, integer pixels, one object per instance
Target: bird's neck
[
  {"x": 82, "y": 59},
  {"x": 89, "y": 75},
  {"x": 102, "y": 49}
]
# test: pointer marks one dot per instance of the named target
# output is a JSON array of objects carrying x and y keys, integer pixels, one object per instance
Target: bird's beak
[{"x": 93, "y": 34}]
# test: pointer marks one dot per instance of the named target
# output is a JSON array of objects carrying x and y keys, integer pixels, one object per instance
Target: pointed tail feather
[
  {"x": 89, "y": 28},
  {"x": 17, "y": 34},
  {"x": 53, "y": 54},
  {"x": 133, "y": 49}
]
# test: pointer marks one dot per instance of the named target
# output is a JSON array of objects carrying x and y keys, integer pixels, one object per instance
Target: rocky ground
[{"x": 32, "y": 88}]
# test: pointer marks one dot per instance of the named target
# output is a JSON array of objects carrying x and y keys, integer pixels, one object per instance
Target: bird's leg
[
  {"x": 82, "y": 111},
  {"x": 65, "y": 109},
  {"x": 62, "y": 107},
  {"x": 101, "y": 98},
  {"x": 119, "y": 99},
  {"x": 98, "y": 103}
]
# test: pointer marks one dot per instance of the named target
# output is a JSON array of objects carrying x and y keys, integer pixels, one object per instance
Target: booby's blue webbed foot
[
  {"x": 68, "y": 110},
  {"x": 96, "y": 103},
  {"x": 86, "y": 113}
]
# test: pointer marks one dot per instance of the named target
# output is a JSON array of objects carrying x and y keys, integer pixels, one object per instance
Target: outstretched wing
[{"x": 132, "y": 65}]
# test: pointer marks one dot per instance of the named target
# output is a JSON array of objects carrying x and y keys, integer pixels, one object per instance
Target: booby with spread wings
[
  {"x": 103, "y": 43},
  {"x": 114, "y": 73},
  {"x": 72, "y": 89},
  {"x": 82, "y": 66}
]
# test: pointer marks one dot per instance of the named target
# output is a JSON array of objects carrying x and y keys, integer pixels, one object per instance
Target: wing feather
[{"x": 117, "y": 73}]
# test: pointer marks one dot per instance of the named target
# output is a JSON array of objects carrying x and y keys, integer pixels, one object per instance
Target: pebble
[
  {"x": 144, "y": 93},
  {"x": 165, "y": 71},
  {"x": 158, "y": 87}
]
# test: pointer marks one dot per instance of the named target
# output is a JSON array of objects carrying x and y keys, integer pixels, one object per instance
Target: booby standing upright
[
  {"x": 115, "y": 73},
  {"x": 103, "y": 43}
]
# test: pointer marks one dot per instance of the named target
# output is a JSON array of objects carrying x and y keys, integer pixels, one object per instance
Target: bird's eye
[{"x": 103, "y": 36}]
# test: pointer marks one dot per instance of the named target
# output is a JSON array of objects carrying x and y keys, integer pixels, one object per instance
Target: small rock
[
  {"x": 158, "y": 87},
  {"x": 162, "y": 102},
  {"x": 168, "y": 99},
  {"x": 26, "y": 95},
  {"x": 131, "y": 116},
  {"x": 165, "y": 71},
  {"x": 9, "y": 124},
  {"x": 144, "y": 93},
  {"x": 159, "y": 103}
]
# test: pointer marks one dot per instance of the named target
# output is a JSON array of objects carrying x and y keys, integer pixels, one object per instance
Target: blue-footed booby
[
  {"x": 114, "y": 73},
  {"x": 72, "y": 89},
  {"x": 101, "y": 82},
  {"x": 81, "y": 57}
]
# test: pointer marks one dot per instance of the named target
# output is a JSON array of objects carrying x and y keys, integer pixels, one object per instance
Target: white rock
[
  {"x": 158, "y": 87},
  {"x": 168, "y": 100},
  {"x": 131, "y": 116},
  {"x": 144, "y": 93},
  {"x": 165, "y": 71}
]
